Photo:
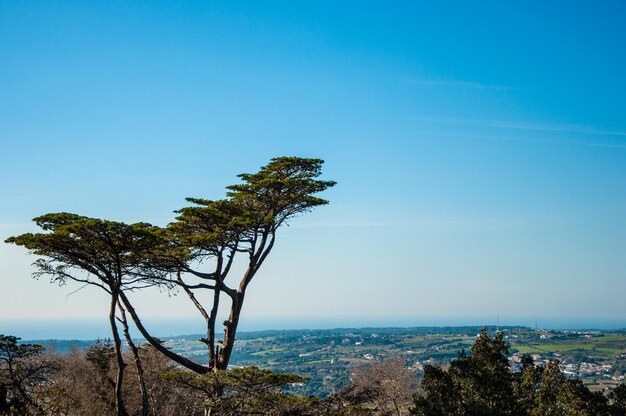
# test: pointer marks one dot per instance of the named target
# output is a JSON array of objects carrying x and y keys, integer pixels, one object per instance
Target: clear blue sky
[{"x": 479, "y": 148}]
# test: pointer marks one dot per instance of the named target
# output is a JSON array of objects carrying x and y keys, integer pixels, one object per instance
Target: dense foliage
[
  {"x": 33, "y": 382},
  {"x": 481, "y": 383}
]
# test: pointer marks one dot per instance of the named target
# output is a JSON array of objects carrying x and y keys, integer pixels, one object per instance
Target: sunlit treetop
[{"x": 281, "y": 190}]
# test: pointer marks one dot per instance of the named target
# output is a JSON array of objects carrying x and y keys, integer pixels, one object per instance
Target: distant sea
[{"x": 94, "y": 328}]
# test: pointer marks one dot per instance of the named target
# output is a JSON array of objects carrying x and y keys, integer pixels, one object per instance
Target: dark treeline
[
  {"x": 481, "y": 383},
  {"x": 34, "y": 382}
]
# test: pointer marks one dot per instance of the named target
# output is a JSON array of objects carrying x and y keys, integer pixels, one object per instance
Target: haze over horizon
[
  {"x": 479, "y": 150},
  {"x": 98, "y": 328}
]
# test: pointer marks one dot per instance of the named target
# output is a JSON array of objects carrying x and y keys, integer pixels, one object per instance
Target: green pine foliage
[{"x": 481, "y": 383}]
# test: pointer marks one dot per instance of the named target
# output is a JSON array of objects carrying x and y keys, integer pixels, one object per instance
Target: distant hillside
[
  {"x": 61, "y": 346},
  {"x": 64, "y": 346}
]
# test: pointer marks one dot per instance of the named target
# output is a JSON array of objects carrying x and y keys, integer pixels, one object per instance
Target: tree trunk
[
  {"x": 195, "y": 367},
  {"x": 119, "y": 399},
  {"x": 4, "y": 406},
  {"x": 140, "y": 377},
  {"x": 230, "y": 332},
  {"x": 211, "y": 329}
]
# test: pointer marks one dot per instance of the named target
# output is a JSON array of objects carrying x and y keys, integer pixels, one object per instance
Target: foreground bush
[{"x": 481, "y": 383}]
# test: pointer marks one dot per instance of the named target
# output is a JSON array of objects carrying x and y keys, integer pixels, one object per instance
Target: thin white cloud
[
  {"x": 613, "y": 145},
  {"x": 351, "y": 225},
  {"x": 502, "y": 138},
  {"x": 516, "y": 125},
  {"x": 451, "y": 83},
  {"x": 428, "y": 221},
  {"x": 499, "y": 138}
]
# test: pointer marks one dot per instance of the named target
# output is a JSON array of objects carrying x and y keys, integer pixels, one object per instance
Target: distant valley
[{"x": 328, "y": 356}]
